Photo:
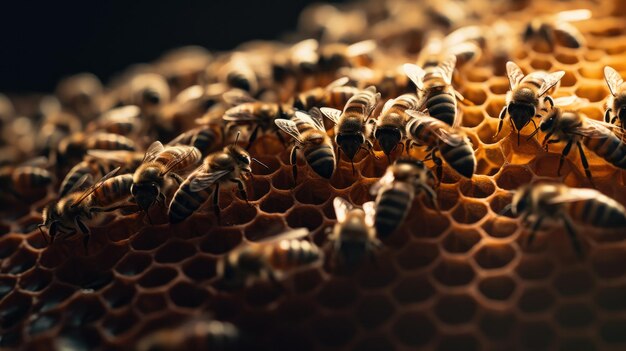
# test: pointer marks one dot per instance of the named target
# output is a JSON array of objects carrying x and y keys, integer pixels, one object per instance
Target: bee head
[
  {"x": 350, "y": 143},
  {"x": 621, "y": 114},
  {"x": 241, "y": 156},
  {"x": 151, "y": 97},
  {"x": 521, "y": 200},
  {"x": 145, "y": 193},
  {"x": 388, "y": 138},
  {"x": 521, "y": 113},
  {"x": 548, "y": 122}
]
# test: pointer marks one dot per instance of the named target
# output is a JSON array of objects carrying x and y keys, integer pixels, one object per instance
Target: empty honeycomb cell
[
  {"x": 464, "y": 342},
  {"x": 540, "y": 64},
  {"x": 455, "y": 309},
  {"x": 334, "y": 331},
  {"x": 43, "y": 322},
  {"x": 305, "y": 217},
  {"x": 569, "y": 79},
  {"x": 414, "y": 329},
  {"x": 374, "y": 310},
  {"x": 360, "y": 193},
  {"x": 573, "y": 282},
  {"x": 498, "y": 288},
  {"x": 187, "y": 295},
  {"x": 261, "y": 227},
  {"x": 477, "y": 75},
  {"x": 83, "y": 310},
  {"x": 566, "y": 58},
  {"x": 591, "y": 71},
  {"x": 374, "y": 343},
  {"x": 536, "y": 335},
  {"x": 574, "y": 315},
  {"x": 150, "y": 302},
  {"x": 472, "y": 116},
  {"x": 477, "y": 187},
  {"x": 35, "y": 280},
  {"x": 460, "y": 240},
  {"x": 494, "y": 107},
  {"x": 447, "y": 197},
  {"x": 13, "y": 309},
  {"x": 133, "y": 263},
  {"x": 337, "y": 293},
  {"x": 276, "y": 202},
  {"x": 19, "y": 262},
  {"x": 7, "y": 284},
  {"x": 82, "y": 275},
  {"x": 174, "y": 251},
  {"x": 593, "y": 93},
  {"x": 499, "y": 86},
  {"x": 379, "y": 273},
  {"x": 238, "y": 213},
  {"x": 374, "y": 168},
  {"x": 118, "y": 324},
  {"x": 492, "y": 256},
  {"x": 487, "y": 132},
  {"x": 313, "y": 192},
  {"x": 611, "y": 298},
  {"x": 220, "y": 241},
  {"x": 258, "y": 188},
  {"x": 499, "y": 202},
  {"x": 612, "y": 331},
  {"x": 272, "y": 163},
  {"x": 200, "y": 268},
  {"x": 475, "y": 95},
  {"x": 512, "y": 177},
  {"x": 119, "y": 294},
  {"x": 497, "y": 325},
  {"x": 455, "y": 272},
  {"x": 609, "y": 263},
  {"x": 417, "y": 255},
  {"x": 53, "y": 296},
  {"x": 413, "y": 289},
  {"x": 469, "y": 212},
  {"x": 283, "y": 179},
  {"x": 343, "y": 178},
  {"x": 535, "y": 267},
  {"x": 158, "y": 276},
  {"x": 536, "y": 299},
  {"x": 500, "y": 227}
]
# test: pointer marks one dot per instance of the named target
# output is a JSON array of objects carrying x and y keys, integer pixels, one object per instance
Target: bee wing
[
  {"x": 297, "y": 233},
  {"x": 81, "y": 181},
  {"x": 416, "y": 114},
  {"x": 342, "y": 207},
  {"x": 387, "y": 179},
  {"x": 94, "y": 187},
  {"x": 237, "y": 97},
  {"x": 338, "y": 83},
  {"x": 361, "y": 48},
  {"x": 415, "y": 74},
  {"x": 371, "y": 106},
  {"x": 233, "y": 116},
  {"x": 573, "y": 15},
  {"x": 572, "y": 101},
  {"x": 463, "y": 35},
  {"x": 613, "y": 79},
  {"x": 204, "y": 180},
  {"x": 370, "y": 213},
  {"x": 466, "y": 51},
  {"x": 191, "y": 150},
  {"x": 289, "y": 127},
  {"x": 153, "y": 151},
  {"x": 514, "y": 73},
  {"x": 549, "y": 81},
  {"x": 574, "y": 195},
  {"x": 331, "y": 113},
  {"x": 596, "y": 129},
  {"x": 387, "y": 106},
  {"x": 182, "y": 136},
  {"x": 449, "y": 138}
]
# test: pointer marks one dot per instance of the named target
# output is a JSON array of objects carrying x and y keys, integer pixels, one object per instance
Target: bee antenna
[
  {"x": 259, "y": 162},
  {"x": 533, "y": 134},
  {"x": 237, "y": 137},
  {"x": 43, "y": 235},
  {"x": 505, "y": 209}
]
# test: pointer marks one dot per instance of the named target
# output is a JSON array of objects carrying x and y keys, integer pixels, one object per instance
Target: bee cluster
[{"x": 382, "y": 179}]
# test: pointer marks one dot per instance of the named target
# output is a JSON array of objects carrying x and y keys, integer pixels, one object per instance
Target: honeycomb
[{"x": 459, "y": 279}]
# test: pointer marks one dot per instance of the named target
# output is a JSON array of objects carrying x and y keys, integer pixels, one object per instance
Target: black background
[{"x": 41, "y": 42}]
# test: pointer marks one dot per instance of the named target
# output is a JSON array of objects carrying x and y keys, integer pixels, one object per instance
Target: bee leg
[
  {"x": 432, "y": 197},
  {"x": 501, "y": 117},
  {"x": 408, "y": 146},
  {"x": 566, "y": 151},
  {"x": 571, "y": 232},
  {"x": 216, "y": 202},
  {"x": 294, "y": 164},
  {"x": 252, "y": 137},
  {"x": 242, "y": 189},
  {"x": 583, "y": 160},
  {"x": 549, "y": 99},
  {"x": 438, "y": 163},
  {"x": 86, "y": 232},
  {"x": 533, "y": 231},
  {"x": 176, "y": 177},
  {"x": 607, "y": 115},
  {"x": 43, "y": 235}
]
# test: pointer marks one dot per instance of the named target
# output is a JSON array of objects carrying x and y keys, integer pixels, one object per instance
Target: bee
[
  {"x": 249, "y": 111},
  {"x": 206, "y": 138},
  {"x": 464, "y": 44},
  {"x": 309, "y": 133},
  {"x": 453, "y": 145},
  {"x": 557, "y": 29},
  {"x": 391, "y": 124},
  {"x": 334, "y": 56},
  {"x": 353, "y": 127},
  {"x": 159, "y": 162},
  {"x": 434, "y": 88},
  {"x": 69, "y": 214},
  {"x": 395, "y": 192},
  {"x": 537, "y": 202},
  {"x": 389, "y": 82},
  {"x": 197, "y": 334},
  {"x": 149, "y": 92},
  {"x": 526, "y": 96},
  {"x": 80, "y": 94},
  {"x": 616, "y": 104},
  {"x": 574, "y": 127},
  {"x": 27, "y": 178},
  {"x": 334, "y": 95},
  {"x": 271, "y": 259},
  {"x": 121, "y": 120},
  {"x": 353, "y": 238},
  {"x": 72, "y": 148},
  {"x": 238, "y": 73},
  {"x": 296, "y": 65},
  {"x": 182, "y": 67}
]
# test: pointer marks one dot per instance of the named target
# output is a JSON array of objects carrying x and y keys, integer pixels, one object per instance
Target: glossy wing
[
  {"x": 387, "y": 106},
  {"x": 203, "y": 180},
  {"x": 289, "y": 127},
  {"x": 237, "y": 97},
  {"x": 465, "y": 52},
  {"x": 415, "y": 74},
  {"x": 153, "y": 151},
  {"x": 342, "y": 207},
  {"x": 549, "y": 81},
  {"x": 181, "y": 137},
  {"x": 81, "y": 181},
  {"x": 575, "y": 195},
  {"x": 613, "y": 79},
  {"x": 298, "y": 233},
  {"x": 446, "y": 67},
  {"x": 370, "y": 213},
  {"x": 316, "y": 116},
  {"x": 385, "y": 180},
  {"x": 449, "y": 138},
  {"x": 192, "y": 151},
  {"x": 596, "y": 129},
  {"x": 305, "y": 118},
  {"x": 417, "y": 114},
  {"x": 94, "y": 187},
  {"x": 572, "y": 101},
  {"x": 361, "y": 48},
  {"x": 514, "y": 73},
  {"x": 371, "y": 106},
  {"x": 331, "y": 113},
  {"x": 464, "y": 34},
  {"x": 573, "y": 15},
  {"x": 236, "y": 115},
  {"x": 338, "y": 83}
]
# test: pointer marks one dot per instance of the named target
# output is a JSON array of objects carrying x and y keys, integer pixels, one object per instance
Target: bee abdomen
[
  {"x": 601, "y": 212},
  {"x": 391, "y": 209},
  {"x": 443, "y": 107},
  {"x": 609, "y": 148},
  {"x": 290, "y": 254},
  {"x": 29, "y": 178},
  {"x": 204, "y": 140},
  {"x": 113, "y": 190},
  {"x": 112, "y": 142},
  {"x": 186, "y": 202},
  {"x": 461, "y": 158},
  {"x": 321, "y": 160}
]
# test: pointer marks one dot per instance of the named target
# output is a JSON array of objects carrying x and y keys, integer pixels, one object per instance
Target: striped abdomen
[
  {"x": 423, "y": 130},
  {"x": 114, "y": 190},
  {"x": 96, "y": 169},
  {"x": 321, "y": 158},
  {"x": 28, "y": 178},
  {"x": 339, "y": 96},
  {"x": 392, "y": 206},
  {"x": 360, "y": 103},
  {"x": 609, "y": 147},
  {"x": 189, "y": 154},
  {"x": 109, "y": 141},
  {"x": 402, "y": 103},
  {"x": 185, "y": 202},
  {"x": 441, "y": 104},
  {"x": 602, "y": 212},
  {"x": 460, "y": 157},
  {"x": 291, "y": 254},
  {"x": 205, "y": 140}
]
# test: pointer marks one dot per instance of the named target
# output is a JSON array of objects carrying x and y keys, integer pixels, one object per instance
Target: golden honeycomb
[{"x": 459, "y": 279}]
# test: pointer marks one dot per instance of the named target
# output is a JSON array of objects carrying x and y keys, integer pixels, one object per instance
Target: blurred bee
[
  {"x": 206, "y": 138},
  {"x": 80, "y": 94},
  {"x": 257, "y": 114},
  {"x": 123, "y": 120},
  {"x": 453, "y": 145},
  {"x": 334, "y": 95},
  {"x": 27, "y": 178},
  {"x": 149, "y": 92},
  {"x": 353, "y": 127},
  {"x": 526, "y": 96},
  {"x": 271, "y": 259},
  {"x": 309, "y": 133},
  {"x": 55, "y": 127},
  {"x": 557, "y": 201},
  {"x": 616, "y": 104},
  {"x": 295, "y": 68},
  {"x": 68, "y": 216},
  {"x": 395, "y": 192},
  {"x": 197, "y": 334},
  {"x": 389, "y": 82},
  {"x": 556, "y": 29},
  {"x": 354, "y": 236},
  {"x": 464, "y": 44},
  {"x": 574, "y": 127},
  {"x": 434, "y": 88},
  {"x": 149, "y": 179},
  {"x": 334, "y": 56},
  {"x": 238, "y": 73},
  {"x": 391, "y": 124},
  {"x": 71, "y": 149},
  {"x": 182, "y": 67}
]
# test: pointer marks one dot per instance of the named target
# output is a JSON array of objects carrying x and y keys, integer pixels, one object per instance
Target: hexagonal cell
[
  {"x": 574, "y": 315},
  {"x": 499, "y": 87},
  {"x": 8, "y": 246},
  {"x": 53, "y": 296},
  {"x": 417, "y": 255},
  {"x": 119, "y": 324},
  {"x": 187, "y": 295},
  {"x": 13, "y": 309},
  {"x": 272, "y": 163},
  {"x": 535, "y": 268},
  {"x": 337, "y": 293},
  {"x": 460, "y": 240},
  {"x": 158, "y": 276},
  {"x": 512, "y": 177},
  {"x": 119, "y": 294},
  {"x": 536, "y": 299},
  {"x": 469, "y": 212},
  {"x": 609, "y": 262},
  {"x": 492, "y": 256},
  {"x": 593, "y": 93},
  {"x": 475, "y": 95},
  {"x": 83, "y": 310},
  {"x": 447, "y": 197},
  {"x": 413, "y": 289},
  {"x": 500, "y": 227},
  {"x": 313, "y": 192},
  {"x": 541, "y": 65},
  {"x": 497, "y": 325},
  {"x": 237, "y": 213},
  {"x": 478, "y": 187},
  {"x": 43, "y": 322},
  {"x": 498, "y": 288},
  {"x": 472, "y": 117},
  {"x": 573, "y": 282},
  {"x": 454, "y": 272},
  {"x": 148, "y": 303},
  {"x": 276, "y": 202},
  {"x": 334, "y": 330},
  {"x": 80, "y": 338},
  {"x": 566, "y": 58},
  {"x": 413, "y": 329},
  {"x": 455, "y": 309},
  {"x": 174, "y": 251},
  {"x": 21, "y": 261},
  {"x": 374, "y": 310},
  {"x": 305, "y": 217},
  {"x": 611, "y": 298},
  {"x": 221, "y": 240},
  {"x": 258, "y": 188},
  {"x": 465, "y": 342},
  {"x": 200, "y": 268},
  {"x": 149, "y": 239},
  {"x": 536, "y": 335},
  {"x": 83, "y": 275},
  {"x": 35, "y": 280},
  {"x": 264, "y": 227},
  {"x": 133, "y": 263}
]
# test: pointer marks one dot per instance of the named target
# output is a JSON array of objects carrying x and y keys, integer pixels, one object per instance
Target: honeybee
[
  {"x": 197, "y": 334},
  {"x": 557, "y": 29},
  {"x": 230, "y": 165},
  {"x": 238, "y": 73},
  {"x": 391, "y": 124},
  {"x": 296, "y": 65},
  {"x": 206, "y": 138},
  {"x": 68, "y": 215},
  {"x": 270, "y": 259},
  {"x": 71, "y": 149},
  {"x": 434, "y": 88},
  {"x": 354, "y": 236},
  {"x": 616, "y": 104},
  {"x": 80, "y": 95},
  {"x": 334, "y": 95},
  {"x": 149, "y": 92},
  {"x": 249, "y": 111},
  {"x": 159, "y": 162},
  {"x": 526, "y": 97},
  {"x": 557, "y": 201},
  {"x": 353, "y": 127},
  {"x": 122, "y": 120},
  {"x": 395, "y": 192},
  {"x": 54, "y": 128},
  {"x": 389, "y": 82},
  {"x": 182, "y": 67},
  {"x": 309, "y": 133},
  {"x": 334, "y": 56},
  {"x": 464, "y": 44},
  {"x": 574, "y": 127},
  {"x": 27, "y": 178},
  {"x": 453, "y": 145}
]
